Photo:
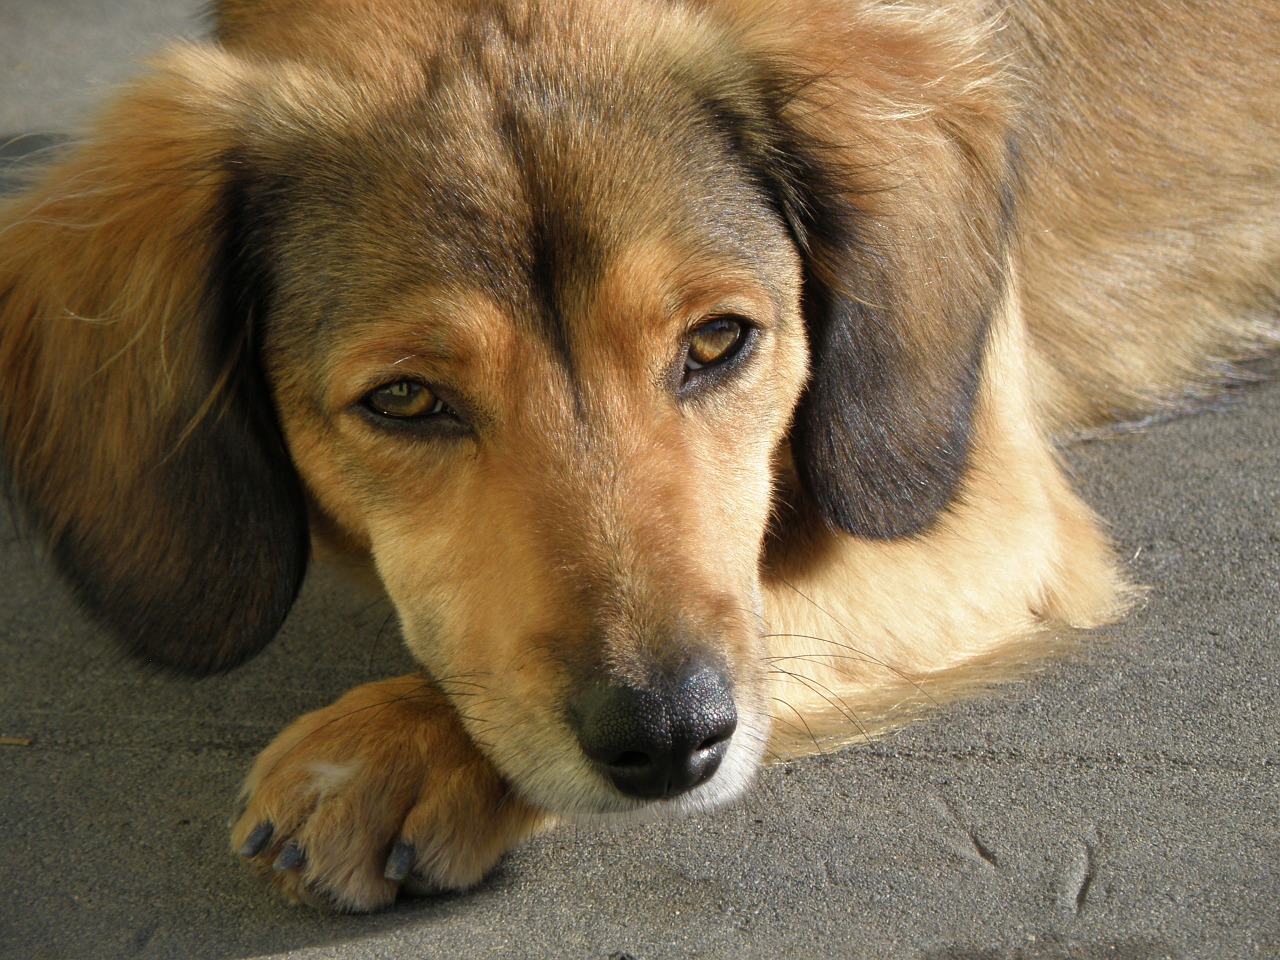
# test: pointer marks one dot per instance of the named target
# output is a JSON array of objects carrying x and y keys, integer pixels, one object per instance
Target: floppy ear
[
  {"x": 137, "y": 432},
  {"x": 887, "y": 149}
]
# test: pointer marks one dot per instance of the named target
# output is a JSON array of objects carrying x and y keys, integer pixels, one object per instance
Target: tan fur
[
  {"x": 1035, "y": 219},
  {"x": 852, "y": 654},
  {"x": 431, "y": 782}
]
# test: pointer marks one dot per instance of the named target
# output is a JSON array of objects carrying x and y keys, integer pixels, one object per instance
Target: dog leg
[{"x": 380, "y": 792}]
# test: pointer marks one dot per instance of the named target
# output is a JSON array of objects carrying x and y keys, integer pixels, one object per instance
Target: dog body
[{"x": 687, "y": 374}]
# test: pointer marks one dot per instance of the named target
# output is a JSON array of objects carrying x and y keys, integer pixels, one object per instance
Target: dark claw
[
  {"x": 291, "y": 857},
  {"x": 258, "y": 840},
  {"x": 403, "y": 856}
]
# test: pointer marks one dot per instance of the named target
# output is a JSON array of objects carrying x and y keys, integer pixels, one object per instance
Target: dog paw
[{"x": 379, "y": 793}]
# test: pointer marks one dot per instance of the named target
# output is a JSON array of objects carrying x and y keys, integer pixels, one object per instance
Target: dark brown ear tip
[
  {"x": 878, "y": 520},
  {"x": 873, "y": 470},
  {"x": 873, "y": 513},
  {"x": 196, "y": 646},
  {"x": 196, "y": 624},
  {"x": 193, "y": 566}
]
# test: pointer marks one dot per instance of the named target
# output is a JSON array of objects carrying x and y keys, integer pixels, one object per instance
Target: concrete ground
[{"x": 1123, "y": 805}]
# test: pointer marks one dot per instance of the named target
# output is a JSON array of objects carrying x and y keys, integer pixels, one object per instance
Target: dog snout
[{"x": 662, "y": 739}]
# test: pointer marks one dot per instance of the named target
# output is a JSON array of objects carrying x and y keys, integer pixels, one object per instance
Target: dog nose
[{"x": 662, "y": 739}]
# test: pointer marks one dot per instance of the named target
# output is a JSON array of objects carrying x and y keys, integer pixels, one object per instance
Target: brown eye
[
  {"x": 405, "y": 400},
  {"x": 714, "y": 342}
]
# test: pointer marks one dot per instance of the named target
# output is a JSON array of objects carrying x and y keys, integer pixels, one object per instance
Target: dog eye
[
  {"x": 714, "y": 343},
  {"x": 405, "y": 400}
]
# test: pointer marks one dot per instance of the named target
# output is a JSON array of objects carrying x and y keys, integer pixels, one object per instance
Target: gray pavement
[{"x": 1125, "y": 804}]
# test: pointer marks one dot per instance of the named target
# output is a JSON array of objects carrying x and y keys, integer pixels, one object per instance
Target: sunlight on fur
[{"x": 689, "y": 378}]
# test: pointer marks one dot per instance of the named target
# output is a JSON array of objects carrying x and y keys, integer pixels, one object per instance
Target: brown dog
[{"x": 687, "y": 373}]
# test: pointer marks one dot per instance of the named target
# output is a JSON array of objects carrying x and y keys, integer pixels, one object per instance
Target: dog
[{"x": 688, "y": 373}]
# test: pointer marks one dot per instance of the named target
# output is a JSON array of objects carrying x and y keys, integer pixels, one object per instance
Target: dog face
[
  {"x": 538, "y": 368},
  {"x": 531, "y": 308}
]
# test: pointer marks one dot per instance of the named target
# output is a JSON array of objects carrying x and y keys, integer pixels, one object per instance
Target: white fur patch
[{"x": 327, "y": 777}]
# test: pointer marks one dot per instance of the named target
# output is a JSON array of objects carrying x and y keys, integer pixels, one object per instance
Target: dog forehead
[{"x": 518, "y": 172}]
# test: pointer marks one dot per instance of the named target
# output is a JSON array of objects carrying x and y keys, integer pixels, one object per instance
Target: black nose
[{"x": 661, "y": 739}]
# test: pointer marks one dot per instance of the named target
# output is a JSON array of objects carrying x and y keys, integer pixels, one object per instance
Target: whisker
[
  {"x": 837, "y": 702},
  {"x": 377, "y": 637},
  {"x": 861, "y": 655},
  {"x": 764, "y": 742},
  {"x": 369, "y": 606},
  {"x": 803, "y": 723}
]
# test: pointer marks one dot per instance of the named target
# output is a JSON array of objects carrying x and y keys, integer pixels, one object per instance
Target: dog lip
[{"x": 657, "y": 741}]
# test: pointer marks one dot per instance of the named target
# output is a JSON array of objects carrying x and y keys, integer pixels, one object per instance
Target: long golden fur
[{"x": 688, "y": 374}]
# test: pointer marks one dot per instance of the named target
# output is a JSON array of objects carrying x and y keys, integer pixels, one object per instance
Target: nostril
[
  {"x": 631, "y": 760},
  {"x": 715, "y": 740}
]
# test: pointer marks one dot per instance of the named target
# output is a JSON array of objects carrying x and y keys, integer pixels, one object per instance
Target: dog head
[{"x": 520, "y": 305}]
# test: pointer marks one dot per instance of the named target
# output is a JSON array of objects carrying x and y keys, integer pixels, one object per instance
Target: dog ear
[
  {"x": 136, "y": 428},
  {"x": 885, "y": 143}
]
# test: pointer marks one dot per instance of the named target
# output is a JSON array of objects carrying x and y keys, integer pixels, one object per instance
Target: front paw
[{"x": 382, "y": 791}]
